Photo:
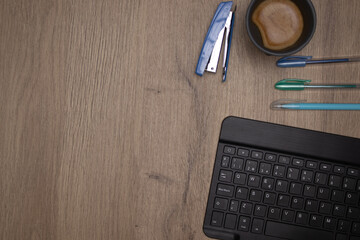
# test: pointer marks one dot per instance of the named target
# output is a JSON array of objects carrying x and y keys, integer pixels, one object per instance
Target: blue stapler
[{"x": 221, "y": 24}]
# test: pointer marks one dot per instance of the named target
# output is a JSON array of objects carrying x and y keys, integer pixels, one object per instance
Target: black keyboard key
[
  {"x": 230, "y": 221},
  {"x": 339, "y": 169},
  {"x": 286, "y": 231},
  {"x": 311, "y": 205},
  {"x": 311, "y": 164},
  {"x": 341, "y": 237},
  {"x": 297, "y": 203},
  {"x": 242, "y": 193},
  {"x": 309, "y": 191},
  {"x": 353, "y": 172},
  {"x": 354, "y": 238},
  {"x": 279, "y": 171},
  {"x": 269, "y": 198},
  {"x": 329, "y": 223},
  {"x": 255, "y": 195},
  {"x": 351, "y": 198},
  {"x": 225, "y": 176},
  {"x": 288, "y": 215},
  {"x": 281, "y": 186},
  {"x": 254, "y": 181},
  {"x": 283, "y": 200},
  {"x": 265, "y": 168},
  {"x": 335, "y": 181},
  {"x": 257, "y": 155},
  {"x": 323, "y": 193},
  {"x": 349, "y": 184},
  {"x": 315, "y": 220},
  {"x": 246, "y": 208},
  {"x": 260, "y": 210},
  {"x": 295, "y": 188},
  {"x": 244, "y": 223},
  {"x": 240, "y": 178},
  {"x": 274, "y": 213},
  {"x": 243, "y": 152},
  {"x": 229, "y": 150},
  {"x": 217, "y": 218},
  {"x": 355, "y": 228},
  {"x": 320, "y": 178},
  {"x": 225, "y": 190},
  {"x": 251, "y": 166},
  {"x": 298, "y": 162},
  {"x": 257, "y": 226},
  {"x": 301, "y": 218},
  {"x": 358, "y": 185},
  {"x": 270, "y": 157},
  {"x": 353, "y": 212},
  {"x": 284, "y": 159},
  {"x": 234, "y": 206},
  {"x": 307, "y": 176},
  {"x": 325, "y": 208},
  {"x": 339, "y": 211},
  {"x": 237, "y": 163},
  {"x": 221, "y": 203},
  {"x": 267, "y": 183},
  {"x": 325, "y": 167},
  {"x": 225, "y": 161},
  {"x": 343, "y": 226},
  {"x": 292, "y": 173},
  {"x": 338, "y": 196}
]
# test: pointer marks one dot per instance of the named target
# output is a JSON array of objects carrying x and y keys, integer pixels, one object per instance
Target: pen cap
[{"x": 291, "y": 84}]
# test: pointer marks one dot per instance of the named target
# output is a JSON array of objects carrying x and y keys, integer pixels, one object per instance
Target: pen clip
[
  {"x": 293, "y": 61},
  {"x": 279, "y": 103},
  {"x": 294, "y": 80}
]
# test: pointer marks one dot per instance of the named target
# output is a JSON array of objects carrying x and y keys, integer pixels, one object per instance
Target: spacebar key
[{"x": 292, "y": 232}]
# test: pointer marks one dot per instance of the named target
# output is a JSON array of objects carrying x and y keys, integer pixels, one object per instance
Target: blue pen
[
  {"x": 301, "y": 61},
  {"x": 303, "y": 105}
]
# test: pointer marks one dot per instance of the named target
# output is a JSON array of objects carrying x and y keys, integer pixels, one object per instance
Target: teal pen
[
  {"x": 300, "y": 84},
  {"x": 303, "y": 105}
]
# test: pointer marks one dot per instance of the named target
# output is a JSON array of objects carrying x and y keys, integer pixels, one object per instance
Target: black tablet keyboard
[{"x": 266, "y": 193}]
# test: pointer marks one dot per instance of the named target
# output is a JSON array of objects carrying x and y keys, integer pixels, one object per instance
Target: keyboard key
[
  {"x": 225, "y": 190},
  {"x": 275, "y": 229},
  {"x": 288, "y": 215},
  {"x": 234, "y": 206},
  {"x": 229, "y": 150},
  {"x": 230, "y": 221},
  {"x": 353, "y": 212},
  {"x": 306, "y": 176},
  {"x": 270, "y": 157},
  {"x": 220, "y": 203},
  {"x": 354, "y": 238},
  {"x": 251, "y": 166},
  {"x": 329, "y": 223},
  {"x": 311, "y": 205},
  {"x": 274, "y": 213},
  {"x": 257, "y": 155},
  {"x": 355, "y": 228},
  {"x": 338, "y": 196},
  {"x": 240, "y": 178},
  {"x": 297, "y": 203},
  {"x": 292, "y": 173},
  {"x": 225, "y": 161},
  {"x": 298, "y": 162},
  {"x": 325, "y": 167},
  {"x": 281, "y": 186},
  {"x": 339, "y": 210},
  {"x": 353, "y": 172},
  {"x": 283, "y": 200},
  {"x": 320, "y": 178},
  {"x": 358, "y": 185},
  {"x": 254, "y": 181},
  {"x": 260, "y": 210},
  {"x": 244, "y": 223},
  {"x": 301, "y": 218},
  {"x": 225, "y": 176},
  {"x": 243, "y": 152},
  {"x": 284, "y": 160},
  {"x": 237, "y": 163},
  {"x": 351, "y": 198},
  {"x": 335, "y": 181},
  {"x": 269, "y": 198},
  {"x": 216, "y": 219},
  {"x": 341, "y": 237},
  {"x": 323, "y": 193},
  {"x": 316, "y": 220},
  {"x": 309, "y": 191},
  {"x": 279, "y": 171},
  {"x": 338, "y": 169},
  {"x": 311, "y": 164},
  {"x": 343, "y": 226},
  {"x": 325, "y": 208},
  {"x": 265, "y": 168},
  {"x": 349, "y": 184},
  {"x": 295, "y": 188},
  {"x": 242, "y": 193},
  {"x": 267, "y": 183},
  {"x": 255, "y": 195},
  {"x": 246, "y": 208},
  {"x": 257, "y": 225}
]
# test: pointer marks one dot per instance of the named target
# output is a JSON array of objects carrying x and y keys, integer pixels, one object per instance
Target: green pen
[{"x": 300, "y": 84}]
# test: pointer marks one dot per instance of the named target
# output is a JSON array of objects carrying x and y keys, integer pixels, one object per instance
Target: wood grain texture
[{"x": 107, "y": 133}]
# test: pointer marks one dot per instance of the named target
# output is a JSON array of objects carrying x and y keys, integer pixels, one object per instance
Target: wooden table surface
[{"x": 107, "y": 133}]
